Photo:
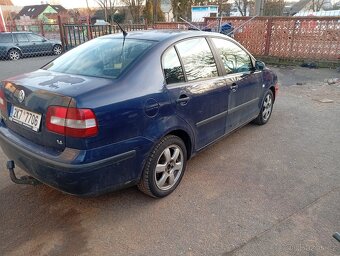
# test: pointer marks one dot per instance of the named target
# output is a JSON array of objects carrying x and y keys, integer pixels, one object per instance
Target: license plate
[{"x": 26, "y": 118}]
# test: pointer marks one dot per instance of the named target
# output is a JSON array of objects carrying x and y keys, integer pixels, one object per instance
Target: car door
[
  {"x": 23, "y": 43},
  {"x": 243, "y": 81},
  {"x": 39, "y": 44},
  {"x": 196, "y": 89}
]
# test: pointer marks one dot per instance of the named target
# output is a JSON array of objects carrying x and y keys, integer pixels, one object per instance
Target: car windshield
[{"x": 102, "y": 57}]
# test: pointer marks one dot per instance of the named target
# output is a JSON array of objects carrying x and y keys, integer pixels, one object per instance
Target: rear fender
[{"x": 166, "y": 126}]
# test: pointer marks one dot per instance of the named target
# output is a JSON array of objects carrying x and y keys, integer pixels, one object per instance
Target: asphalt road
[
  {"x": 269, "y": 190},
  {"x": 12, "y": 68}
]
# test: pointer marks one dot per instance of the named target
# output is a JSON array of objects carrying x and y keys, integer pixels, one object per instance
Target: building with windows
[
  {"x": 45, "y": 13},
  {"x": 199, "y": 12}
]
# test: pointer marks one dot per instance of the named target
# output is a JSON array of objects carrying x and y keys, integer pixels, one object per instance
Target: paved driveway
[
  {"x": 270, "y": 190},
  {"x": 12, "y": 68}
]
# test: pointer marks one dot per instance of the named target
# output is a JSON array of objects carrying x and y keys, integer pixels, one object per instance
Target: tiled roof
[
  {"x": 34, "y": 11},
  {"x": 298, "y": 6}
]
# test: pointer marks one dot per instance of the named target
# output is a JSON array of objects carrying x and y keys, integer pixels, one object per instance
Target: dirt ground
[{"x": 263, "y": 190}]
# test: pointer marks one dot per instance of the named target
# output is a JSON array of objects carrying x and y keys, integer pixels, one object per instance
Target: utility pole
[
  {"x": 259, "y": 6},
  {"x": 155, "y": 3}
]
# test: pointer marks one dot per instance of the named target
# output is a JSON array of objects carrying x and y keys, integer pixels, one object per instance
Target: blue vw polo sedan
[{"x": 119, "y": 110}]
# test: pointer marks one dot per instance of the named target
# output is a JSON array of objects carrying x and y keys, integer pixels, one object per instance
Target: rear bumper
[{"x": 60, "y": 171}]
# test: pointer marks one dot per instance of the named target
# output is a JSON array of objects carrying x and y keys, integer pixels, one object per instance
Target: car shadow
[{"x": 43, "y": 221}]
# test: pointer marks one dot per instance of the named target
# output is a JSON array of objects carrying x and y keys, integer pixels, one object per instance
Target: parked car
[
  {"x": 101, "y": 23},
  {"x": 14, "y": 45},
  {"x": 121, "y": 111}
]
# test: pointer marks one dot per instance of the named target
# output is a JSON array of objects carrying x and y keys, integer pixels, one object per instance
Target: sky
[{"x": 66, "y": 3}]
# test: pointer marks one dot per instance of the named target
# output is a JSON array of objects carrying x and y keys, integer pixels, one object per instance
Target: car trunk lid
[{"x": 26, "y": 99}]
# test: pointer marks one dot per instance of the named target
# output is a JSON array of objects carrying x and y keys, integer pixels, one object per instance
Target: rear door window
[
  {"x": 35, "y": 38},
  {"x": 21, "y": 38},
  {"x": 172, "y": 67},
  {"x": 197, "y": 58},
  {"x": 6, "y": 38}
]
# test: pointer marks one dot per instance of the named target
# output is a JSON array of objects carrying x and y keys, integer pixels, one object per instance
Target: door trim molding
[
  {"x": 232, "y": 110},
  {"x": 212, "y": 118}
]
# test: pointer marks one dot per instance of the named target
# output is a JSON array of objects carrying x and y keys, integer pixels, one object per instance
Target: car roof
[
  {"x": 160, "y": 35},
  {"x": 16, "y": 32}
]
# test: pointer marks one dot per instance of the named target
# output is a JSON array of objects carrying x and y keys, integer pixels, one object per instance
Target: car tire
[
  {"x": 57, "y": 49},
  {"x": 164, "y": 167},
  {"x": 266, "y": 109},
  {"x": 14, "y": 54}
]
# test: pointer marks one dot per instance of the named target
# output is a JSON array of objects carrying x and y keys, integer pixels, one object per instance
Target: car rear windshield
[{"x": 101, "y": 57}]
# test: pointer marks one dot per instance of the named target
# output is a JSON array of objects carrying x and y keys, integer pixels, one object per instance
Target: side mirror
[
  {"x": 43, "y": 40},
  {"x": 259, "y": 65}
]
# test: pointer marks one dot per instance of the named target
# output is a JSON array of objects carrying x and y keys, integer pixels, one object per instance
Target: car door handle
[
  {"x": 183, "y": 100},
  {"x": 234, "y": 87}
]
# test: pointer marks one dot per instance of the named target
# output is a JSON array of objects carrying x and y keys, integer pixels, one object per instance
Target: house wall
[
  {"x": 43, "y": 18},
  {"x": 199, "y": 12}
]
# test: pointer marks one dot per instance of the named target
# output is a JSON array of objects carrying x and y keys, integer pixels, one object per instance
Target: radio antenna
[
  {"x": 190, "y": 24},
  {"x": 120, "y": 27}
]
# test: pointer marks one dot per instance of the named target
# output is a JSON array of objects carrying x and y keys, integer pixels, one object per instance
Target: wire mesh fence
[
  {"x": 42, "y": 39},
  {"x": 312, "y": 38},
  {"x": 50, "y": 31},
  {"x": 22, "y": 43},
  {"x": 304, "y": 37}
]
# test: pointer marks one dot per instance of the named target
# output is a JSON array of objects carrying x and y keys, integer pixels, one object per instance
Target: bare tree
[
  {"x": 274, "y": 7},
  {"x": 88, "y": 8},
  {"x": 182, "y": 8},
  {"x": 135, "y": 8},
  {"x": 108, "y": 7},
  {"x": 223, "y": 7},
  {"x": 243, "y": 6},
  {"x": 317, "y": 5}
]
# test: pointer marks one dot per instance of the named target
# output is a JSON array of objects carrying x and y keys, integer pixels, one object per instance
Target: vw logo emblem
[{"x": 21, "y": 96}]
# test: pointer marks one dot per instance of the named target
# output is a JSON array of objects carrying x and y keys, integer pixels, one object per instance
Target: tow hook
[
  {"x": 28, "y": 180},
  {"x": 337, "y": 236}
]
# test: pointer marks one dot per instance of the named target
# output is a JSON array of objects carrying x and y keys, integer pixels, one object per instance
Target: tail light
[
  {"x": 2, "y": 102},
  {"x": 276, "y": 89},
  {"x": 73, "y": 122}
]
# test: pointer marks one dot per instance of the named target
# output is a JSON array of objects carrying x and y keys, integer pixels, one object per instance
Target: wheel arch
[
  {"x": 272, "y": 88},
  {"x": 57, "y": 44},
  {"x": 14, "y": 48},
  {"x": 183, "y": 135}
]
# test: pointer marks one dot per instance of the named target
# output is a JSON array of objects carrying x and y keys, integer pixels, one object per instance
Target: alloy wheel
[
  {"x": 267, "y": 107},
  {"x": 57, "y": 50},
  {"x": 169, "y": 167},
  {"x": 14, "y": 55}
]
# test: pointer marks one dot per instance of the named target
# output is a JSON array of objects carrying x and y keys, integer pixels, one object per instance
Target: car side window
[
  {"x": 172, "y": 67},
  {"x": 235, "y": 59},
  {"x": 198, "y": 60},
  {"x": 35, "y": 38},
  {"x": 21, "y": 38},
  {"x": 6, "y": 38}
]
